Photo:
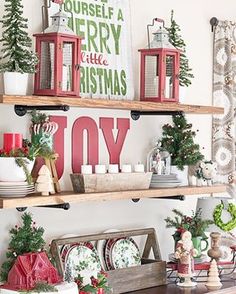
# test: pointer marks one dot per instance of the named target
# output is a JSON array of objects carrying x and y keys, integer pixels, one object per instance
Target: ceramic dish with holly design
[
  {"x": 121, "y": 253},
  {"x": 80, "y": 259}
]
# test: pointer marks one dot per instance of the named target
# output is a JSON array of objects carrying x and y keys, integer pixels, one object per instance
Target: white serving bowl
[{"x": 11, "y": 172}]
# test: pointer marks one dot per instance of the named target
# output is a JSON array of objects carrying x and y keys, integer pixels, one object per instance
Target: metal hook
[{"x": 214, "y": 22}]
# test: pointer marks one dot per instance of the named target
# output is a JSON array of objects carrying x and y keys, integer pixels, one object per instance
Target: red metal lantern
[
  {"x": 59, "y": 51},
  {"x": 159, "y": 75}
]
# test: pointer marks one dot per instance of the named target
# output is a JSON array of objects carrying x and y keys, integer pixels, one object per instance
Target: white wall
[{"x": 193, "y": 16}]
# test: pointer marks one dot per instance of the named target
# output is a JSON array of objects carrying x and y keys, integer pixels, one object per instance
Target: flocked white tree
[
  {"x": 44, "y": 183},
  {"x": 213, "y": 280}
]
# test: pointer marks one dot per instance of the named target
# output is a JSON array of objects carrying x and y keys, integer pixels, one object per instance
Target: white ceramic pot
[
  {"x": 11, "y": 172},
  {"x": 182, "y": 175},
  {"x": 15, "y": 83}
]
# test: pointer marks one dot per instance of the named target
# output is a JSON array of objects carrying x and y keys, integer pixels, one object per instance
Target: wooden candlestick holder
[{"x": 214, "y": 252}]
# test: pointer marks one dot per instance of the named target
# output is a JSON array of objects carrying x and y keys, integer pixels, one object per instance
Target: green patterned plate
[{"x": 81, "y": 259}]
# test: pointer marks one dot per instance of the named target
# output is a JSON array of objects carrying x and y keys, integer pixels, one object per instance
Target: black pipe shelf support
[
  {"x": 64, "y": 206},
  {"x": 177, "y": 197},
  {"x": 213, "y": 22},
  {"x": 135, "y": 114},
  {"x": 21, "y": 110}
]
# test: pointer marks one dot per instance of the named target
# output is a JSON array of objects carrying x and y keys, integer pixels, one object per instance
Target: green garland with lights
[{"x": 230, "y": 225}]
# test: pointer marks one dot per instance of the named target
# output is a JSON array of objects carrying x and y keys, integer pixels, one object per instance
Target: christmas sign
[{"x": 106, "y": 69}]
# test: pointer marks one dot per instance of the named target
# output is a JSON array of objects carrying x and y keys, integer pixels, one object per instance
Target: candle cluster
[
  {"x": 12, "y": 141},
  {"x": 112, "y": 169}
]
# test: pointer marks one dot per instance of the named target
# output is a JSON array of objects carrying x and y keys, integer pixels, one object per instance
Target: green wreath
[{"x": 230, "y": 225}]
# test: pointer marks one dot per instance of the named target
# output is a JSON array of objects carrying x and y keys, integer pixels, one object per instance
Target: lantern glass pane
[
  {"x": 47, "y": 61},
  {"x": 67, "y": 66},
  {"x": 169, "y": 85},
  {"x": 151, "y": 76}
]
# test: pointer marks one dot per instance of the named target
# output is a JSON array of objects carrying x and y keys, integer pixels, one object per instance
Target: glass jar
[{"x": 159, "y": 160}]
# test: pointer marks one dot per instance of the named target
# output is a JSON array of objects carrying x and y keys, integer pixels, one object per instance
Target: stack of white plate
[
  {"x": 161, "y": 181},
  {"x": 15, "y": 189}
]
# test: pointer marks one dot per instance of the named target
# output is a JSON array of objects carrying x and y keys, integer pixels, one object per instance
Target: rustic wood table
[{"x": 228, "y": 288}]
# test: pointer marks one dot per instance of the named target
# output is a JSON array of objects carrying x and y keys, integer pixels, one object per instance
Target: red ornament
[
  {"x": 59, "y": 51},
  {"x": 29, "y": 269},
  {"x": 159, "y": 74}
]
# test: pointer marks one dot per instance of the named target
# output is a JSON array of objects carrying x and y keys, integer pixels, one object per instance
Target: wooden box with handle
[{"x": 151, "y": 272}]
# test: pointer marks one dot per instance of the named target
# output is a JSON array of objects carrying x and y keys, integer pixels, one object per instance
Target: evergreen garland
[
  {"x": 185, "y": 74},
  {"x": 23, "y": 163},
  {"x": 16, "y": 53},
  {"x": 23, "y": 239},
  {"x": 42, "y": 287},
  {"x": 178, "y": 141}
]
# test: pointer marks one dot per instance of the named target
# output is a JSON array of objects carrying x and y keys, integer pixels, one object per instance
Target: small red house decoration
[
  {"x": 29, "y": 269},
  {"x": 59, "y": 52},
  {"x": 159, "y": 74}
]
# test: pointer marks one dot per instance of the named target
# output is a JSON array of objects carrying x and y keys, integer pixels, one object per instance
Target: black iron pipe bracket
[
  {"x": 21, "y": 110},
  {"x": 135, "y": 114},
  {"x": 65, "y": 206},
  {"x": 177, "y": 197}
]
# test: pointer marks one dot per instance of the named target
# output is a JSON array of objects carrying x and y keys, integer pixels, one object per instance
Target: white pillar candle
[
  {"x": 126, "y": 168},
  {"x": 139, "y": 168},
  {"x": 113, "y": 169},
  {"x": 100, "y": 169},
  {"x": 86, "y": 169}
]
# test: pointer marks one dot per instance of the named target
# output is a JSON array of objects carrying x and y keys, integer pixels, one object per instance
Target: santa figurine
[{"x": 185, "y": 253}]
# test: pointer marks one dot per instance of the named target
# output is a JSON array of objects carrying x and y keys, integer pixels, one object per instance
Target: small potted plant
[
  {"x": 194, "y": 224},
  {"x": 17, "y": 164},
  {"x": 178, "y": 140},
  {"x": 17, "y": 60},
  {"x": 97, "y": 285}
]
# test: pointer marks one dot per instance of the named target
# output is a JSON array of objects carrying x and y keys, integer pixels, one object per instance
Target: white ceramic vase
[
  {"x": 182, "y": 175},
  {"x": 15, "y": 83},
  {"x": 11, "y": 172}
]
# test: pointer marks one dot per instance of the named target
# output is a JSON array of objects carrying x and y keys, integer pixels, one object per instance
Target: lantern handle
[
  {"x": 151, "y": 25},
  {"x": 45, "y": 7}
]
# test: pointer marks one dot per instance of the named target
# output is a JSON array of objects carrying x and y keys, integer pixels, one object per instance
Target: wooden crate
[
  {"x": 110, "y": 182},
  {"x": 151, "y": 272}
]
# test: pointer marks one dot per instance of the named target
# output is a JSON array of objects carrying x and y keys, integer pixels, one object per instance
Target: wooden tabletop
[{"x": 228, "y": 288}]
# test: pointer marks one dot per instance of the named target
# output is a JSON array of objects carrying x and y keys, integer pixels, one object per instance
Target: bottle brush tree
[
  {"x": 177, "y": 139},
  {"x": 16, "y": 44},
  {"x": 175, "y": 38}
]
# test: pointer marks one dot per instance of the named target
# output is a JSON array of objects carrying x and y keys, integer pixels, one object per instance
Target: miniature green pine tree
[
  {"x": 23, "y": 239},
  {"x": 178, "y": 141},
  {"x": 16, "y": 44},
  {"x": 176, "y": 40}
]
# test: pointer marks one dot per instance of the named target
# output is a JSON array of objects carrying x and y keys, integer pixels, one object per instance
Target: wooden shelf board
[
  {"x": 71, "y": 197},
  {"x": 109, "y": 104}
]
